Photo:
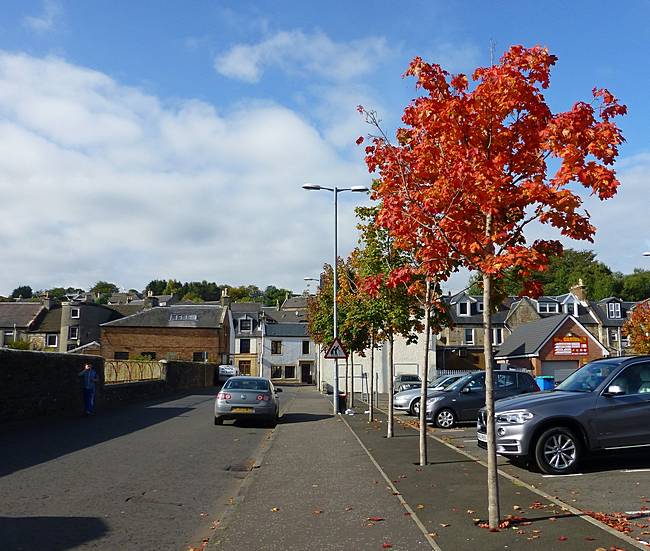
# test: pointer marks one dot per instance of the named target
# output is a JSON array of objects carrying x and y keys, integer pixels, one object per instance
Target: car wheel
[
  {"x": 218, "y": 420},
  {"x": 415, "y": 407},
  {"x": 445, "y": 419},
  {"x": 557, "y": 451}
]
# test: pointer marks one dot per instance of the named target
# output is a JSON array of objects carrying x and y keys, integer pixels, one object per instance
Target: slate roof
[
  {"x": 196, "y": 315},
  {"x": 529, "y": 337},
  {"x": 51, "y": 322},
  {"x": 600, "y": 309},
  {"x": 282, "y": 316},
  {"x": 286, "y": 330},
  {"x": 126, "y": 309},
  {"x": 245, "y": 307},
  {"x": 299, "y": 302},
  {"x": 20, "y": 313}
]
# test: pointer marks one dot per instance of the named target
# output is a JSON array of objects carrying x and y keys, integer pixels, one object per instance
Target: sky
[{"x": 146, "y": 140}]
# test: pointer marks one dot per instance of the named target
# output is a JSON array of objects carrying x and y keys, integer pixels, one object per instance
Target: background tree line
[
  {"x": 566, "y": 269},
  {"x": 195, "y": 291}
]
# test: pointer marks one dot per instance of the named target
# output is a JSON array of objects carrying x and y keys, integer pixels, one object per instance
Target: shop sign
[{"x": 570, "y": 346}]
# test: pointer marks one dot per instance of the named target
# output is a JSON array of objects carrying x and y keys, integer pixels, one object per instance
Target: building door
[
  {"x": 559, "y": 369},
  {"x": 305, "y": 372}
]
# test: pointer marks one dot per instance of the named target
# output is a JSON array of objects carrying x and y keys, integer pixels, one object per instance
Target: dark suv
[
  {"x": 462, "y": 400},
  {"x": 604, "y": 405}
]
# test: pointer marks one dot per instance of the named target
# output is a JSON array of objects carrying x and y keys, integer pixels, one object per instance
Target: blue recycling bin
[{"x": 545, "y": 382}]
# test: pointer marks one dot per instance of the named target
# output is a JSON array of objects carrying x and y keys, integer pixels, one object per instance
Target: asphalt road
[{"x": 143, "y": 476}]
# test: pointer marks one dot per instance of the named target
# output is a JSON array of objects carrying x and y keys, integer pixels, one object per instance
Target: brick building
[{"x": 197, "y": 332}]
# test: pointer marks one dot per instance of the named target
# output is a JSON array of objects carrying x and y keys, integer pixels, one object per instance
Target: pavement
[
  {"x": 330, "y": 483},
  {"x": 316, "y": 489}
]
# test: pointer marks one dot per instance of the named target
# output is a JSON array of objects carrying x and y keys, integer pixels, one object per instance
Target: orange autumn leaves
[{"x": 471, "y": 168}]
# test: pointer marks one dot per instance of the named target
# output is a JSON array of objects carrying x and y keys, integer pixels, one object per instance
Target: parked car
[
  {"x": 247, "y": 397},
  {"x": 462, "y": 400},
  {"x": 403, "y": 378},
  {"x": 604, "y": 405},
  {"x": 409, "y": 400},
  {"x": 227, "y": 371}
]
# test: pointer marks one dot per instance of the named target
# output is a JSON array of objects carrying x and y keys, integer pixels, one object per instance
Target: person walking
[{"x": 89, "y": 379}]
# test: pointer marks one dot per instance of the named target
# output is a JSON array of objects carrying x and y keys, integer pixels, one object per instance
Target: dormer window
[
  {"x": 463, "y": 308},
  {"x": 479, "y": 306},
  {"x": 547, "y": 307},
  {"x": 245, "y": 324},
  {"x": 614, "y": 310}
]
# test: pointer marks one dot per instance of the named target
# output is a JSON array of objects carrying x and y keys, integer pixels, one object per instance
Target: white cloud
[
  {"x": 102, "y": 181},
  {"x": 455, "y": 58},
  {"x": 295, "y": 52},
  {"x": 46, "y": 20}
]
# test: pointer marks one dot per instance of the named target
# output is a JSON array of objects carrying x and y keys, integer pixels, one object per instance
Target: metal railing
[{"x": 131, "y": 371}]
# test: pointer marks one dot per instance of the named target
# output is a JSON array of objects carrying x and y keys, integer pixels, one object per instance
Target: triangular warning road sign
[{"x": 336, "y": 351}]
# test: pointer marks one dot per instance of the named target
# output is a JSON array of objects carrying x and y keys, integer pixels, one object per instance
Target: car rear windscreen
[{"x": 246, "y": 384}]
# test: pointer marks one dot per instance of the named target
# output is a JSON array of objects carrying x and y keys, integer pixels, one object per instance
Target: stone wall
[{"x": 34, "y": 384}]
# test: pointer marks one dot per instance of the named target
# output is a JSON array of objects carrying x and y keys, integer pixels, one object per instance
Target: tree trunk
[
  {"x": 494, "y": 513},
  {"x": 391, "y": 386},
  {"x": 425, "y": 376},
  {"x": 371, "y": 387},
  {"x": 347, "y": 397},
  {"x": 351, "y": 399}
]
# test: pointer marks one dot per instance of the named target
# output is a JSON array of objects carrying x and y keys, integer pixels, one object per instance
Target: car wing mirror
[{"x": 614, "y": 390}]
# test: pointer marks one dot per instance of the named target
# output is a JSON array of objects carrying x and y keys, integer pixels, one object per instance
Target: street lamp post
[{"x": 335, "y": 191}]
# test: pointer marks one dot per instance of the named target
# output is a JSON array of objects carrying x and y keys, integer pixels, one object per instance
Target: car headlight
[
  {"x": 513, "y": 417},
  {"x": 431, "y": 402}
]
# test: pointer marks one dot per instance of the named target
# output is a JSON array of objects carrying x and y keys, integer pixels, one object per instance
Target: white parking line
[
  {"x": 636, "y": 471},
  {"x": 561, "y": 475}
]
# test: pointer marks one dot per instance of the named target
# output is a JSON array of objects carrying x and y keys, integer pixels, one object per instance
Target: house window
[
  {"x": 148, "y": 355},
  {"x": 497, "y": 335},
  {"x": 305, "y": 347},
  {"x": 479, "y": 305},
  {"x": 276, "y": 372},
  {"x": 613, "y": 335},
  {"x": 52, "y": 340},
  {"x": 74, "y": 313},
  {"x": 276, "y": 347},
  {"x": 245, "y": 324},
  {"x": 244, "y": 367},
  {"x": 73, "y": 333},
  {"x": 463, "y": 308},
  {"x": 614, "y": 310},
  {"x": 121, "y": 356},
  {"x": 289, "y": 371},
  {"x": 199, "y": 356},
  {"x": 244, "y": 346},
  {"x": 547, "y": 308},
  {"x": 469, "y": 336}
]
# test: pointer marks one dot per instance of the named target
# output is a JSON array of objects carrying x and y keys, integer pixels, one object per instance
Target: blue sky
[{"x": 150, "y": 140}]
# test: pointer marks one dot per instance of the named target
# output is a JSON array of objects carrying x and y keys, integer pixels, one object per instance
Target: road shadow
[
  {"x": 616, "y": 461},
  {"x": 40, "y": 440},
  {"x": 289, "y": 418},
  {"x": 51, "y": 533}
]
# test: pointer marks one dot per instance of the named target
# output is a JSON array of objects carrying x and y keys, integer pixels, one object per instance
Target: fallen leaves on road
[
  {"x": 617, "y": 521},
  {"x": 275, "y": 509},
  {"x": 387, "y": 545},
  {"x": 445, "y": 525},
  {"x": 562, "y": 538},
  {"x": 420, "y": 506},
  {"x": 316, "y": 512},
  {"x": 376, "y": 519}
]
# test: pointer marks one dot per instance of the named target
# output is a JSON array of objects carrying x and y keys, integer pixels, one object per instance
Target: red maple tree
[
  {"x": 637, "y": 327},
  {"x": 475, "y": 164}
]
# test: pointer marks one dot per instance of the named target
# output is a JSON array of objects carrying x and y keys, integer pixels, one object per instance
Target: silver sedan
[
  {"x": 247, "y": 398},
  {"x": 409, "y": 400}
]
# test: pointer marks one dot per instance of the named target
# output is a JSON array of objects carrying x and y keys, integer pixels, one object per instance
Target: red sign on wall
[{"x": 570, "y": 346}]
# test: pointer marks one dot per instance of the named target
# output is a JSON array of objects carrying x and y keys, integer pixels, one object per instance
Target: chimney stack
[
  {"x": 225, "y": 299},
  {"x": 580, "y": 291}
]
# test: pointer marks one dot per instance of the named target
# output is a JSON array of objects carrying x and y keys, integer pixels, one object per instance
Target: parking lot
[{"x": 615, "y": 483}]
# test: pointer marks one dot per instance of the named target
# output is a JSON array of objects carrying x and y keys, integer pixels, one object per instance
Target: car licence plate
[
  {"x": 241, "y": 410},
  {"x": 481, "y": 437}
]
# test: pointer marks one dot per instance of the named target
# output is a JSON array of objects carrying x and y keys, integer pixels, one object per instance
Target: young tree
[
  {"x": 637, "y": 327},
  {"x": 470, "y": 170}
]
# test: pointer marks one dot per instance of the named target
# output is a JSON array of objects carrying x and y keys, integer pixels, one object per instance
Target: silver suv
[{"x": 605, "y": 405}]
